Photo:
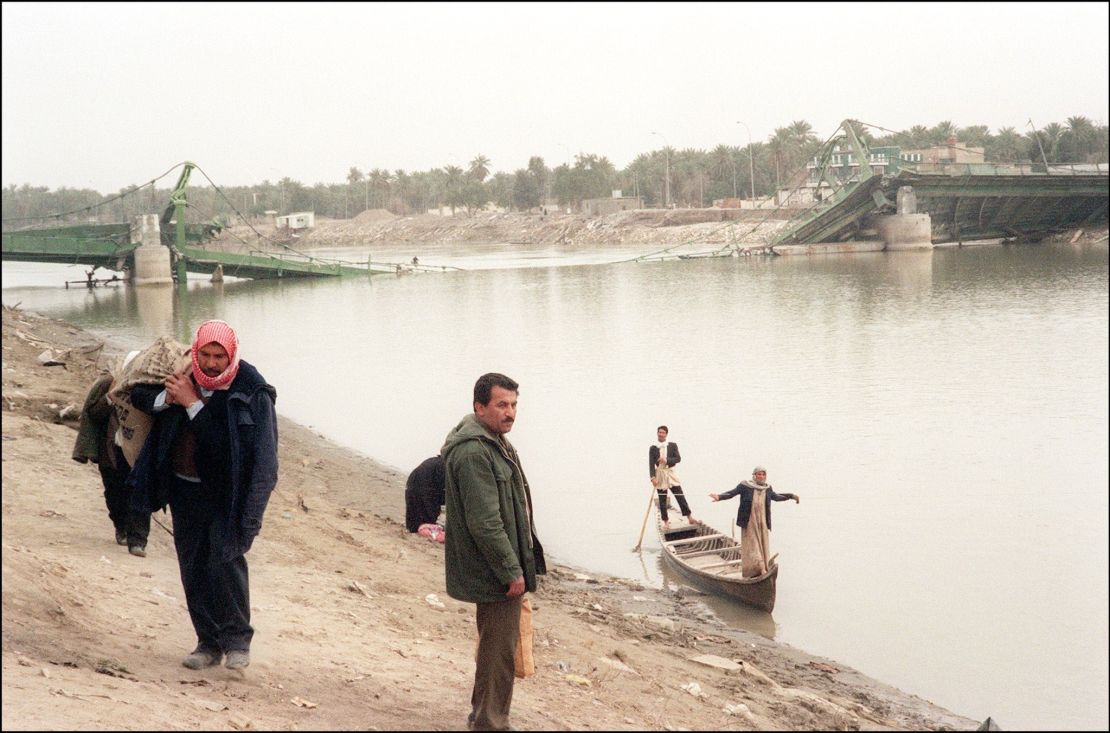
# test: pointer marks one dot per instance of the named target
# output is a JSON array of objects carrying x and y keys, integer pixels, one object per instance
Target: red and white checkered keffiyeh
[{"x": 221, "y": 333}]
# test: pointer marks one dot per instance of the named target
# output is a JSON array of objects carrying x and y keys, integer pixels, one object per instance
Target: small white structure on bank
[
  {"x": 297, "y": 220},
  {"x": 616, "y": 202}
]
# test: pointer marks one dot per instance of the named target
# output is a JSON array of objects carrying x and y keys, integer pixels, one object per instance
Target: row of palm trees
[
  {"x": 1078, "y": 140},
  {"x": 686, "y": 177},
  {"x": 697, "y": 177}
]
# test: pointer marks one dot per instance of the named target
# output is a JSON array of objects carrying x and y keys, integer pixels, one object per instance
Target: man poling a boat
[
  {"x": 754, "y": 518},
  {"x": 662, "y": 457}
]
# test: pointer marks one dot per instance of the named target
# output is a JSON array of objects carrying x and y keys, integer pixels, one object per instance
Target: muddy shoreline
[{"x": 354, "y": 627}]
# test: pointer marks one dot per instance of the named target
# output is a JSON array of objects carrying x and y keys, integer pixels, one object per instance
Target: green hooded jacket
[{"x": 491, "y": 538}]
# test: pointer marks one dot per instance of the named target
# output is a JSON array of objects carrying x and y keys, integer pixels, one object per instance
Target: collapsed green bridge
[
  {"x": 910, "y": 209},
  {"x": 154, "y": 249},
  {"x": 110, "y": 246},
  {"x": 895, "y": 209}
]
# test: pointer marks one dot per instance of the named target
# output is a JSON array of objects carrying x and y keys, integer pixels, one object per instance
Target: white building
[{"x": 297, "y": 220}]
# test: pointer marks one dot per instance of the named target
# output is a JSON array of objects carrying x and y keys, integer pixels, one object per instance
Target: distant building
[
  {"x": 460, "y": 210},
  {"x": 296, "y": 221},
  {"x": 844, "y": 166},
  {"x": 951, "y": 158},
  {"x": 601, "y": 207},
  {"x": 938, "y": 158}
]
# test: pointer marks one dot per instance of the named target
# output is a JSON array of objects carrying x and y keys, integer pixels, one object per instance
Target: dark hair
[
  {"x": 485, "y": 384},
  {"x": 664, "y": 429}
]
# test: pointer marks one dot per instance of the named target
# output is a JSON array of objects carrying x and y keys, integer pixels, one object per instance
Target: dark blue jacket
[
  {"x": 745, "y": 511},
  {"x": 251, "y": 435}
]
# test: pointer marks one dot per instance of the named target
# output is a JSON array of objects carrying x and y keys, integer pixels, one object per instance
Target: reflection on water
[
  {"x": 733, "y": 613},
  {"x": 940, "y": 414},
  {"x": 154, "y": 304}
]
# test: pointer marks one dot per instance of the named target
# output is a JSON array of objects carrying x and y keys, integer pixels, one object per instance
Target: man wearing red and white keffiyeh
[{"x": 212, "y": 457}]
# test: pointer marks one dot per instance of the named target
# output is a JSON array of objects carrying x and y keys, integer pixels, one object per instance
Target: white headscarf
[{"x": 756, "y": 482}]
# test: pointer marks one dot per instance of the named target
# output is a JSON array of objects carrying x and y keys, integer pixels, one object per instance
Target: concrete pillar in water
[
  {"x": 218, "y": 274},
  {"x": 907, "y": 229},
  {"x": 907, "y": 200},
  {"x": 152, "y": 260}
]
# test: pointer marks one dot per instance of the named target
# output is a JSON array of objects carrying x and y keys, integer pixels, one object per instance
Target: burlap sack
[{"x": 151, "y": 366}]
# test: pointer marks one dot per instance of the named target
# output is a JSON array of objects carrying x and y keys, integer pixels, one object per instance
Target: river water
[{"x": 942, "y": 415}]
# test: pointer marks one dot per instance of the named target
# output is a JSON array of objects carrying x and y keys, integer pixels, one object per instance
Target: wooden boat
[{"x": 711, "y": 560}]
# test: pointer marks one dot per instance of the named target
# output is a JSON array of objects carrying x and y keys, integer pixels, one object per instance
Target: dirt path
[{"x": 353, "y": 627}]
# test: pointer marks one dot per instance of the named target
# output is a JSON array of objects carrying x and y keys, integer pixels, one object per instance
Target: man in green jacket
[{"x": 492, "y": 555}]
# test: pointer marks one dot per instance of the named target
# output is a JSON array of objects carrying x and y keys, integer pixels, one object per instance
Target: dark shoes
[
  {"x": 238, "y": 659},
  {"x": 470, "y": 721},
  {"x": 202, "y": 658},
  {"x": 137, "y": 550},
  {"x": 121, "y": 537}
]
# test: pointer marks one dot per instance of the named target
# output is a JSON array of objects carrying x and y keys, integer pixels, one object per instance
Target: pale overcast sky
[{"x": 108, "y": 95}]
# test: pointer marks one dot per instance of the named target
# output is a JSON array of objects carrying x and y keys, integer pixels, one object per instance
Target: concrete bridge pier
[
  {"x": 906, "y": 229},
  {"x": 152, "y": 259}
]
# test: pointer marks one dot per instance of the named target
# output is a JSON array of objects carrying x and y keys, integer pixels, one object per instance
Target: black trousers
[
  {"x": 679, "y": 497},
  {"x": 216, "y": 592},
  {"x": 118, "y": 499}
]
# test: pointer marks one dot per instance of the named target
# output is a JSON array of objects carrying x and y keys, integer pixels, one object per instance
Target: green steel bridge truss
[
  {"x": 965, "y": 203},
  {"x": 110, "y": 246}
]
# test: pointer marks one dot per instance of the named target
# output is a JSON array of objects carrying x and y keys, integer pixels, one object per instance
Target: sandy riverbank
[
  {"x": 711, "y": 227},
  {"x": 686, "y": 230},
  {"x": 353, "y": 627}
]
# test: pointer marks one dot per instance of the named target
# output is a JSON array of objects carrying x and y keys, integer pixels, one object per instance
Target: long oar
[{"x": 651, "y": 500}]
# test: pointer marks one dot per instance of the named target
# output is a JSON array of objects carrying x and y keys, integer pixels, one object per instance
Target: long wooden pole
[{"x": 651, "y": 500}]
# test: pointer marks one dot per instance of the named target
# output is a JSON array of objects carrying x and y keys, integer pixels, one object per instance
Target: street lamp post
[
  {"x": 667, "y": 180},
  {"x": 751, "y": 162}
]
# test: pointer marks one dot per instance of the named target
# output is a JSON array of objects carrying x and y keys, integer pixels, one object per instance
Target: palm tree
[
  {"x": 1101, "y": 149},
  {"x": 801, "y": 134},
  {"x": 379, "y": 181},
  {"x": 645, "y": 168},
  {"x": 918, "y": 136},
  {"x": 1080, "y": 138},
  {"x": 354, "y": 177},
  {"x": 779, "y": 145},
  {"x": 1005, "y": 147},
  {"x": 791, "y": 147},
  {"x": 479, "y": 168},
  {"x": 722, "y": 162},
  {"x": 1051, "y": 136},
  {"x": 452, "y": 186},
  {"x": 941, "y": 132},
  {"x": 401, "y": 183},
  {"x": 975, "y": 135},
  {"x": 538, "y": 171}
]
